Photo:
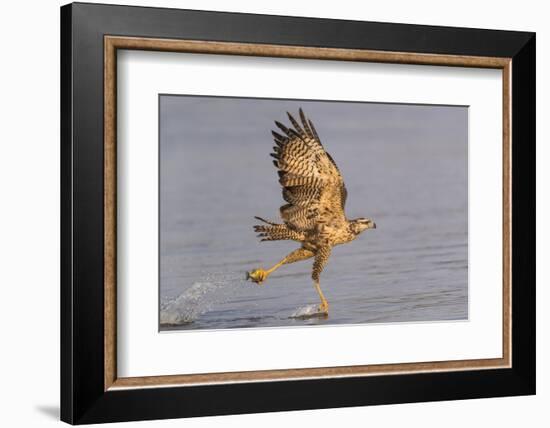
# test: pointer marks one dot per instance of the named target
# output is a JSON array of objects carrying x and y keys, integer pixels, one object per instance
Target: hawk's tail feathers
[
  {"x": 266, "y": 221},
  {"x": 276, "y": 232}
]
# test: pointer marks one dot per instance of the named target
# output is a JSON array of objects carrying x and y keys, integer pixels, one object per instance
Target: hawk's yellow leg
[
  {"x": 260, "y": 275},
  {"x": 321, "y": 259},
  {"x": 323, "y": 307}
]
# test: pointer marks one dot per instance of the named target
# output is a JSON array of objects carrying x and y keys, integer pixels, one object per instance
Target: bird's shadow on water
[{"x": 49, "y": 410}]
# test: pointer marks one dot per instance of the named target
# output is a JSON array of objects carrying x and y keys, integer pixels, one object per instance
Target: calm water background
[{"x": 405, "y": 166}]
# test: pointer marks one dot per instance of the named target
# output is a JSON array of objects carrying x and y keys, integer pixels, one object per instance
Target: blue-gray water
[{"x": 405, "y": 166}]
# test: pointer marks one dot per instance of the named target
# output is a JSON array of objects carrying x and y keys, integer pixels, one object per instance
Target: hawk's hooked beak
[{"x": 373, "y": 225}]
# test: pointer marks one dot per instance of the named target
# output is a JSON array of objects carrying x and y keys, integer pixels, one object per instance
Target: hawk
[{"x": 316, "y": 196}]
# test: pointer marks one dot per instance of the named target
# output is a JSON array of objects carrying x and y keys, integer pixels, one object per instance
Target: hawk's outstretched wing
[{"x": 312, "y": 183}]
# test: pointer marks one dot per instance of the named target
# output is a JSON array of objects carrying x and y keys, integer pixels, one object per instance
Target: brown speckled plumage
[{"x": 315, "y": 194}]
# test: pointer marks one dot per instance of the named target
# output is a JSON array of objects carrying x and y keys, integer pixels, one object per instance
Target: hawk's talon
[
  {"x": 323, "y": 308},
  {"x": 257, "y": 275}
]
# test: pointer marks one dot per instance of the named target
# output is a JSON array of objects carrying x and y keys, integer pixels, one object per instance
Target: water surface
[{"x": 405, "y": 166}]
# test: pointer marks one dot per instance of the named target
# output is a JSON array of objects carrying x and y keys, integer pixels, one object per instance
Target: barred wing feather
[{"x": 312, "y": 184}]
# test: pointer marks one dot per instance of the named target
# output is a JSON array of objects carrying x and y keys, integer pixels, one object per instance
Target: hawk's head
[{"x": 360, "y": 224}]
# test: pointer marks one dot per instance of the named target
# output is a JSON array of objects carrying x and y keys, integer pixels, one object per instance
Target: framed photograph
[{"x": 265, "y": 213}]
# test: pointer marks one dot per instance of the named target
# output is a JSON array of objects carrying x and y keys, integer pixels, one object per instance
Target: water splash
[
  {"x": 309, "y": 311},
  {"x": 201, "y": 297}
]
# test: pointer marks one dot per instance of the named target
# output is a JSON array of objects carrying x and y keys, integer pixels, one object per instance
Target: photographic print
[
  {"x": 282, "y": 213},
  {"x": 331, "y": 206}
]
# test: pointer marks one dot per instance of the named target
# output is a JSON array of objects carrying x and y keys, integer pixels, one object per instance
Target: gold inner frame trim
[{"x": 113, "y": 43}]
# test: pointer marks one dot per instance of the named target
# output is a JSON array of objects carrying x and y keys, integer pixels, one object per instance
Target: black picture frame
[{"x": 83, "y": 398}]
